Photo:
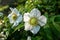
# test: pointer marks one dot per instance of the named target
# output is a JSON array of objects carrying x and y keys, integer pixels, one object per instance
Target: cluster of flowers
[{"x": 32, "y": 21}]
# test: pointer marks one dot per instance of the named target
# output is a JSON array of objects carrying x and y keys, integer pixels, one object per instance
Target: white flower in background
[
  {"x": 1, "y": 22},
  {"x": 1, "y": 14},
  {"x": 2, "y": 36},
  {"x": 34, "y": 20},
  {"x": 2, "y": 39},
  {"x": 15, "y": 17},
  {"x": 29, "y": 38}
]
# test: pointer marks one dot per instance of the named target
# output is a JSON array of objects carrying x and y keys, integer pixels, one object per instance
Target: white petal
[
  {"x": 27, "y": 26},
  {"x": 19, "y": 19},
  {"x": 11, "y": 21},
  {"x": 15, "y": 24},
  {"x": 26, "y": 17},
  {"x": 35, "y": 12},
  {"x": 11, "y": 9},
  {"x": 29, "y": 38},
  {"x": 35, "y": 29},
  {"x": 9, "y": 15},
  {"x": 10, "y": 18},
  {"x": 15, "y": 11},
  {"x": 42, "y": 20}
]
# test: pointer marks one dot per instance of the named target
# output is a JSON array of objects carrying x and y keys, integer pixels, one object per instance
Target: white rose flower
[
  {"x": 15, "y": 17},
  {"x": 34, "y": 20}
]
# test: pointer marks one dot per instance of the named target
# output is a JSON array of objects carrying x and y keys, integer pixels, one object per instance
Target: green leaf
[
  {"x": 7, "y": 23},
  {"x": 18, "y": 27},
  {"x": 55, "y": 31},
  {"x": 20, "y": 1},
  {"x": 3, "y": 7},
  {"x": 36, "y": 38},
  {"x": 47, "y": 32},
  {"x": 56, "y": 21},
  {"x": 29, "y": 5},
  {"x": 21, "y": 8}
]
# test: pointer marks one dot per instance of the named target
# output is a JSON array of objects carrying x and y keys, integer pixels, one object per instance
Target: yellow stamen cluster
[
  {"x": 14, "y": 16},
  {"x": 33, "y": 21}
]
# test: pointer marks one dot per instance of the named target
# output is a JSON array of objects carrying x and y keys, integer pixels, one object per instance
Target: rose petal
[
  {"x": 26, "y": 17},
  {"x": 27, "y": 26},
  {"x": 35, "y": 29},
  {"x": 35, "y": 12},
  {"x": 11, "y": 9},
  {"x": 10, "y": 18},
  {"x": 19, "y": 19},
  {"x": 14, "y": 10},
  {"x": 42, "y": 20}
]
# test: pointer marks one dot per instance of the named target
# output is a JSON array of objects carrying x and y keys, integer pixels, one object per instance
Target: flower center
[
  {"x": 33, "y": 21},
  {"x": 14, "y": 16}
]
